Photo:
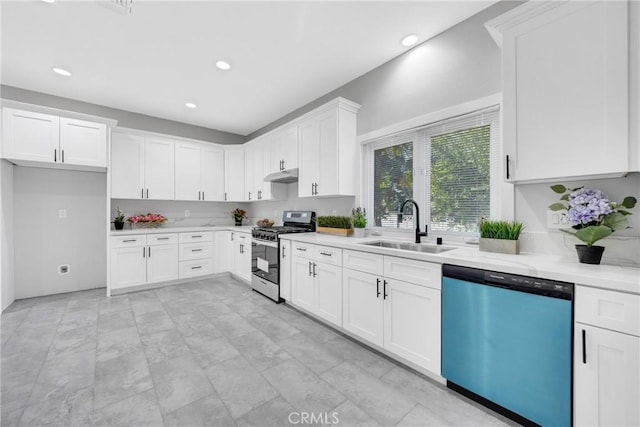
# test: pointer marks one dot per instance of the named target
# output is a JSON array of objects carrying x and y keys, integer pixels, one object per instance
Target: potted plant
[
  {"x": 500, "y": 236},
  {"x": 238, "y": 215},
  {"x": 592, "y": 217},
  {"x": 118, "y": 220},
  {"x": 359, "y": 220},
  {"x": 340, "y": 225}
]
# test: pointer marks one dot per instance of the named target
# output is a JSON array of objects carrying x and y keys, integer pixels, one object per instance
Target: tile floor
[{"x": 208, "y": 353}]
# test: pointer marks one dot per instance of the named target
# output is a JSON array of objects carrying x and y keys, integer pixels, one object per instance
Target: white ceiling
[{"x": 163, "y": 54}]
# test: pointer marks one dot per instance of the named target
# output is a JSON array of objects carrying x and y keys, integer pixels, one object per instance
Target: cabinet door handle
[
  {"x": 142, "y": 193},
  {"x": 149, "y": 251},
  {"x": 241, "y": 248},
  {"x": 508, "y": 174},
  {"x": 249, "y": 195},
  {"x": 326, "y": 254},
  {"x": 62, "y": 155},
  {"x": 198, "y": 195},
  {"x": 196, "y": 267},
  {"x": 584, "y": 347},
  {"x": 384, "y": 289},
  {"x": 232, "y": 236},
  {"x": 309, "y": 268},
  {"x": 225, "y": 196},
  {"x": 196, "y": 250},
  {"x": 283, "y": 255},
  {"x": 147, "y": 193},
  {"x": 55, "y": 154},
  {"x": 378, "y": 288},
  {"x": 203, "y": 195},
  {"x": 144, "y": 252},
  {"x": 314, "y": 269}
]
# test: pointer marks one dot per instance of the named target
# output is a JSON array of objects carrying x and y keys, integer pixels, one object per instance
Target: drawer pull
[
  {"x": 301, "y": 249},
  {"x": 326, "y": 254},
  {"x": 196, "y": 267},
  {"x": 196, "y": 236},
  {"x": 196, "y": 250},
  {"x": 129, "y": 240},
  {"x": 163, "y": 238}
]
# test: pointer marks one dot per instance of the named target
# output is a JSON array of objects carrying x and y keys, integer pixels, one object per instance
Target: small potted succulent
[
  {"x": 118, "y": 220},
  {"x": 359, "y": 220},
  {"x": 500, "y": 236},
  {"x": 340, "y": 225},
  {"x": 592, "y": 217},
  {"x": 238, "y": 215}
]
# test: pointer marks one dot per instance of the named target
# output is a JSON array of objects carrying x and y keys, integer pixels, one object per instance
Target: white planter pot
[
  {"x": 502, "y": 246},
  {"x": 358, "y": 232}
]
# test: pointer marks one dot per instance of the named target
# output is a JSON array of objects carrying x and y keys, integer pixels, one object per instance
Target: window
[{"x": 449, "y": 168}]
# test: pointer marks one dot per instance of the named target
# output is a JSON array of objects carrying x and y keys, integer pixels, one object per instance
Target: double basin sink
[{"x": 415, "y": 247}]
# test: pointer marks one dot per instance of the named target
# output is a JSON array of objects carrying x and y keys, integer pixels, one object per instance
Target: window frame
[{"x": 420, "y": 133}]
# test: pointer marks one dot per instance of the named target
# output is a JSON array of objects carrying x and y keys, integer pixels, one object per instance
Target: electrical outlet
[
  {"x": 334, "y": 212},
  {"x": 187, "y": 213},
  {"x": 63, "y": 269},
  {"x": 556, "y": 220},
  {"x": 62, "y": 213}
]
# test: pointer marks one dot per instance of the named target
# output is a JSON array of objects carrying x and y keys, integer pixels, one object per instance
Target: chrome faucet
[{"x": 415, "y": 206}]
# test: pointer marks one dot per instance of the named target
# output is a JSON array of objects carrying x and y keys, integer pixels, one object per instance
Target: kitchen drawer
[
  {"x": 363, "y": 261},
  {"x": 418, "y": 272},
  {"x": 162, "y": 239},
  {"x": 200, "y": 267},
  {"x": 128, "y": 241},
  {"x": 190, "y": 251},
  {"x": 303, "y": 250},
  {"x": 328, "y": 255},
  {"x": 206, "y": 236},
  {"x": 608, "y": 309}
]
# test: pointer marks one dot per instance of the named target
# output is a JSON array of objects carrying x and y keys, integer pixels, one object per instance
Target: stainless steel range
[{"x": 265, "y": 251}]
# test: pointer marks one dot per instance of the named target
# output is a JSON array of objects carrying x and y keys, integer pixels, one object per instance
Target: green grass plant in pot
[
  {"x": 500, "y": 236},
  {"x": 592, "y": 217},
  {"x": 359, "y": 220},
  {"x": 339, "y": 225}
]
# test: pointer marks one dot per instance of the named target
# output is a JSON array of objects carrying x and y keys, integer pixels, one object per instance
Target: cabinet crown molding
[{"x": 498, "y": 25}]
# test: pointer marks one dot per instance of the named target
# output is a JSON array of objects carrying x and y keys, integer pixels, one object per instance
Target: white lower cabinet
[
  {"x": 195, "y": 254},
  {"x": 400, "y": 316},
  {"x": 317, "y": 281},
  {"x": 606, "y": 358},
  {"x": 142, "y": 259},
  {"x": 241, "y": 248}
]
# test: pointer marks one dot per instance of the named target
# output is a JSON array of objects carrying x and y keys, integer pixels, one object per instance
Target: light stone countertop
[
  {"x": 159, "y": 230},
  {"x": 568, "y": 269}
]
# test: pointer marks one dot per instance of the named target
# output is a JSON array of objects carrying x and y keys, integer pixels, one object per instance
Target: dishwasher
[{"x": 507, "y": 343}]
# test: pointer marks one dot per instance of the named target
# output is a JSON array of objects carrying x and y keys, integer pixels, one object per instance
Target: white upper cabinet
[
  {"x": 199, "y": 169},
  {"x": 234, "y": 174},
  {"x": 256, "y": 160},
  {"x": 327, "y": 150},
  {"x": 142, "y": 167},
  {"x": 52, "y": 140},
  {"x": 565, "y": 68},
  {"x": 284, "y": 149}
]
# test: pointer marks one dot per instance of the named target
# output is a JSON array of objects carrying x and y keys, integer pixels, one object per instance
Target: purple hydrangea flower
[{"x": 586, "y": 205}]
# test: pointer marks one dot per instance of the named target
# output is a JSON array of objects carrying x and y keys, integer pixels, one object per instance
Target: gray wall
[
  {"x": 42, "y": 241},
  {"x": 125, "y": 118},
  {"x": 459, "y": 65},
  {"x": 7, "y": 294}
]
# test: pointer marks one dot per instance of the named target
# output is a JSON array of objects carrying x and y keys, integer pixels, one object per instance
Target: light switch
[{"x": 62, "y": 213}]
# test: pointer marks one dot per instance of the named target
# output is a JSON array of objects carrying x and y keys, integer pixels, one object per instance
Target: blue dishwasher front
[{"x": 508, "y": 339}]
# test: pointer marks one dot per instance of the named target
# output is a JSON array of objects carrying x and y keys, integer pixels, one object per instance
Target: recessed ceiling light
[
  {"x": 190, "y": 105},
  {"x": 61, "y": 71},
  {"x": 409, "y": 40},
  {"x": 48, "y": 1},
  {"x": 223, "y": 65}
]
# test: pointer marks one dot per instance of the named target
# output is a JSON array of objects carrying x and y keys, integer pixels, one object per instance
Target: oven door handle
[{"x": 265, "y": 243}]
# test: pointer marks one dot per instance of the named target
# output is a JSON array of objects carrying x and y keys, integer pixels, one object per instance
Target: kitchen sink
[{"x": 416, "y": 247}]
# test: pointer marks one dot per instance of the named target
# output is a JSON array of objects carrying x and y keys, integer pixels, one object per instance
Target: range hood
[{"x": 286, "y": 176}]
